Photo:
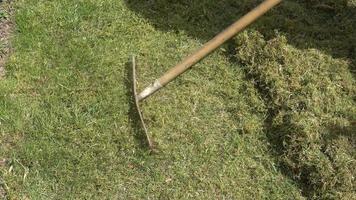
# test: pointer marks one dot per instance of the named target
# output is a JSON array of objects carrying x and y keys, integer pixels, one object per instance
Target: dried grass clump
[{"x": 312, "y": 112}]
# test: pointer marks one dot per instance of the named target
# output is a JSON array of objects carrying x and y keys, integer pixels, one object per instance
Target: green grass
[{"x": 66, "y": 127}]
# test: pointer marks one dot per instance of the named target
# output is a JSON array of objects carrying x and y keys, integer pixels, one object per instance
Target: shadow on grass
[
  {"x": 329, "y": 26},
  {"x": 134, "y": 119}
]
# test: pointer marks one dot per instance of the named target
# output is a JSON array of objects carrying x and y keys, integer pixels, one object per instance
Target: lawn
[{"x": 270, "y": 115}]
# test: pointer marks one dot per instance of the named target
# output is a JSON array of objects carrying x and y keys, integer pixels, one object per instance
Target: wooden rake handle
[{"x": 208, "y": 48}]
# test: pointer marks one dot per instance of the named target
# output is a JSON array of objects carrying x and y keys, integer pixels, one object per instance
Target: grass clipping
[{"x": 311, "y": 112}]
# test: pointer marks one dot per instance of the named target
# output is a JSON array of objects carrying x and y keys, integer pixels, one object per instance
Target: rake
[{"x": 194, "y": 58}]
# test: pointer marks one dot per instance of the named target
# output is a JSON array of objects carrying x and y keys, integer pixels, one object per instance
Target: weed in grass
[{"x": 2, "y": 15}]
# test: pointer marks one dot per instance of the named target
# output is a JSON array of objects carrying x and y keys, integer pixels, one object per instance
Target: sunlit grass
[{"x": 66, "y": 129}]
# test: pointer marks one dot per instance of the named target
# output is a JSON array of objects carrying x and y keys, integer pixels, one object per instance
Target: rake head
[{"x": 137, "y": 104}]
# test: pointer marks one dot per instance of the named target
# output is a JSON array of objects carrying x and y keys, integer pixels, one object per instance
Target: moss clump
[{"x": 312, "y": 112}]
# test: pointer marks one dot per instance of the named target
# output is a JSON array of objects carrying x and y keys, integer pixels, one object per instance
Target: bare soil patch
[{"x": 6, "y": 24}]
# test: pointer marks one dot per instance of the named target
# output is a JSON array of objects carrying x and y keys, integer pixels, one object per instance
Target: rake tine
[{"x": 137, "y": 105}]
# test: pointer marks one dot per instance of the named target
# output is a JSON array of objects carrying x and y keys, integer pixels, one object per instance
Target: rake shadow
[{"x": 134, "y": 119}]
